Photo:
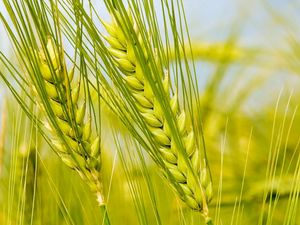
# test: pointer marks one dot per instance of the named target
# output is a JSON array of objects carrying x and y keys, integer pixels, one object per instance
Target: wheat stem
[
  {"x": 208, "y": 221},
  {"x": 103, "y": 208},
  {"x": 105, "y": 220}
]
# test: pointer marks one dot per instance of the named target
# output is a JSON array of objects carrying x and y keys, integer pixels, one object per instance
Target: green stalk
[
  {"x": 105, "y": 216},
  {"x": 103, "y": 209},
  {"x": 208, "y": 221}
]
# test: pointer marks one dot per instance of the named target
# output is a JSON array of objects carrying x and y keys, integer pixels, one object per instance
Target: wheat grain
[
  {"x": 195, "y": 192},
  {"x": 76, "y": 147}
]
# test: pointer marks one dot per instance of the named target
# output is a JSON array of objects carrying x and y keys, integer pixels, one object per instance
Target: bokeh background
[{"x": 247, "y": 57}]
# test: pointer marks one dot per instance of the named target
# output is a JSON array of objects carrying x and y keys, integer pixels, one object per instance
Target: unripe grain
[{"x": 195, "y": 188}]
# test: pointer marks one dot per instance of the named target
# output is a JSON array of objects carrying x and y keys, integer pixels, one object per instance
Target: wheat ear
[
  {"x": 193, "y": 191},
  {"x": 73, "y": 134}
]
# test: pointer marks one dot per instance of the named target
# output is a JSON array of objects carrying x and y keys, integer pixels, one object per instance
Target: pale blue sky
[{"x": 212, "y": 20}]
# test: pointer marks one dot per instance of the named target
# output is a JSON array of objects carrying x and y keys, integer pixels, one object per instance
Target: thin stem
[
  {"x": 103, "y": 209},
  {"x": 105, "y": 217},
  {"x": 208, "y": 221}
]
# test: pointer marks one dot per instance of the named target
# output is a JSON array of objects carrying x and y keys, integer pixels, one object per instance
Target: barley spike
[
  {"x": 195, "y": 191},
  {"x": 77, "y": 149}
]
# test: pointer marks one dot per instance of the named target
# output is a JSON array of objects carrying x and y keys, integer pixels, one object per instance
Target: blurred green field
[{"x": 249, "y": 92}]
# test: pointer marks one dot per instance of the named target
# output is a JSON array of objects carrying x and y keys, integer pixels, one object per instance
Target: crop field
[{"x": 149, "y": 112}]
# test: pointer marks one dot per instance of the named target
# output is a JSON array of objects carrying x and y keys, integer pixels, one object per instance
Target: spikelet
[
  {"x": 195, "y": 191},
  {"x": 76, "y": 147}
]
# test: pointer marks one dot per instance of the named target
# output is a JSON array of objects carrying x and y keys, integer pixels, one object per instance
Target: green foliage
[{"x": 138, "y": 77}]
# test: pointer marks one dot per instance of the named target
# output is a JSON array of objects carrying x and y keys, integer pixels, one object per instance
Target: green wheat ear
[
  {"x": 195, "y": 192},
  {"x": 73, "y": 133}
]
